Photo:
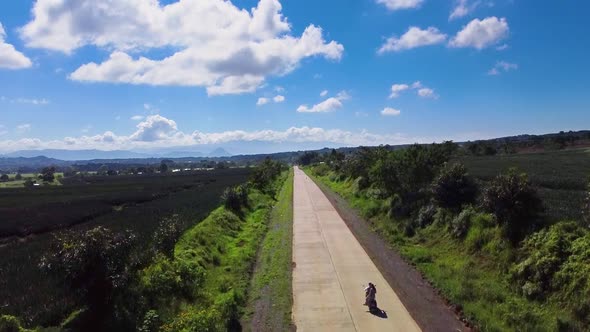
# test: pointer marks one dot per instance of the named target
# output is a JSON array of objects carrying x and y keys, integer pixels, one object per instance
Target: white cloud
[
  {"x": 279, "y": 99},
  {"x": 414, "y": 37},
  {"x": 463, "y": 8},
  {"x": 396, "y": 89},
  {"x": 3, "y": 130},
  {"x": 329, "y": 105},
  {"x": 157, "y": 131},
  {"x": 137, "y": 117},
  {"x": 324, "y": 93},
  {"x": 400, "y": 4},
  {"x": 23, "y": 128},
  {"x": 10, "y": 58},
  {"x": 86, "y": 129},
  {"x": 389, "y": 111},
  {"x": 279, "y": 89},
  {"x": 502, "y": 66},
  {"x": 481, "y": 33},
  {"x": 427, "y": 93},
  {"x": 421, "y": 90},
  {"x": 262, "y": 101},
  {"x": 502, "y": 47},
  {"x": 33, "y": 101},
  {"x": 230, "y": 51}
]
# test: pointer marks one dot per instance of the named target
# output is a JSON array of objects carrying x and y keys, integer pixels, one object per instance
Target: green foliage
[
  {"x": 48, "y": 174},
  {"x": 151, "y": 322},
  {"x": 94, "y": 264},
  {"x": 4, "y": 178},
  {"x": 234, "y": 198},
  {"x": 169, "y": 278},
  {"x": 426, "y": 215},
  {"x": 166, "y": 235},
  {"x": 461, "y": 223},
  {"x": 514, "y": 202},
  {"x": 197, "y": 320},
  {"x": 543, "y": 254},
  {"x": 453, "y": 187},
  {"x": 586, "y": 207},
  {"x": 308, "y": 158},
  {"x": 265, "y": 174},
  {"x": 10, "y": 324}
]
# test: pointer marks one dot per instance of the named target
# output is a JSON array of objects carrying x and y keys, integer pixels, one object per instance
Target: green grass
[
  {"x": 271, "y": 288},
  {"x": 225, "y": 245},
  {"x": 476, "y": 281}
]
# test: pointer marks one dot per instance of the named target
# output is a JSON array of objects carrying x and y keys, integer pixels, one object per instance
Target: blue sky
[{"x": 143, "y": 74}]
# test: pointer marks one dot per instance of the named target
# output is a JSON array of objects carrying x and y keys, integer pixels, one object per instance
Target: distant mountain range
[{"x": 77, "y": 155}]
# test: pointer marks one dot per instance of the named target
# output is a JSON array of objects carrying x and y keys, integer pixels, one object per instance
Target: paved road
[{"x": 331, "y": 270}]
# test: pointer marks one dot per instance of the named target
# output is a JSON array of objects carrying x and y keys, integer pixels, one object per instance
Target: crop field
[
  {"x": 30, "y": 217},
  {"x": 560, "y": 176}
]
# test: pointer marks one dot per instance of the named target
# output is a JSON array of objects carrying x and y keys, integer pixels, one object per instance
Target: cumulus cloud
[
  {"x": 329, "y": 105},
  {"x": 463, "y": 8},
  {"x": 137, "y": 117},
  {"x": 158, "y": 131},
  {"x": 396, "y": 89},
  {"x": 389, "y": 111},
  {"x": 230, "y": 51},
  {"x": 480, "y": 34},
  {"x": 279, "y": 99},
  {"x": 262, "y": 101},
  {"x": 427, "y": 93},
  {"x": 10, "y": 58},
  {"x": 421, "y": 90},
  {"x": 400, "y": 4},
  {"x": 324, "y": 93},
  {"x": 414, "y": 37},
  {"x": 502, "y": 66}
]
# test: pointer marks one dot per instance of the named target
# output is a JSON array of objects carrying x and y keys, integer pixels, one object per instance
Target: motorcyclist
[{"x": 370, "y": 293}]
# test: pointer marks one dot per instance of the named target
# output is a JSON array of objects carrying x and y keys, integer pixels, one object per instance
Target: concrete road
[{"x": 331, "y": 270}]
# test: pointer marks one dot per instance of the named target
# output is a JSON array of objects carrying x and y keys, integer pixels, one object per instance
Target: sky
[{"x": 270, "y": 75}]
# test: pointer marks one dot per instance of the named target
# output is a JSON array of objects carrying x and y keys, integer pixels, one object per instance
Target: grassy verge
[
  {"x": 220, "y": 254},
  {"x": 475, "y": 280},
  {"x": 270, "y": 298}
]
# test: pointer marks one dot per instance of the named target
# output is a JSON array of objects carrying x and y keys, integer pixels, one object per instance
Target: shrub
[
  {"x": 166, "y": 278},
  {"x": 481, "y": 233},
  {"x": 4, "y": 178},
  {"x": 235, "y": 198},
  {"x": 543, "y": 254},
  {"x": 586, "y": 207},
  {"x": 426, "y": 215},
  {"x": 166, "y": 235},
  {"x": 10, "y": 324},
  {"x": 360, "y": 184},
  {"x": 321, "y": 170},
  {"x": 453, "y": 188},
  {"x": 514, "y": 203},
  {"x": 461, "y": 223}
]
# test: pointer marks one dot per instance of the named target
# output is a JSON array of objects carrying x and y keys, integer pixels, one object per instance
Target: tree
[
  {"x": 167, "y": 234},
  {"x": 18, "y": 177},
  {"x": 453, "y": 187},
  {"x": 93, "y": 264},
  {"x": 514, "y": 202},
  {"x": 163, "y": 167},
  {"x": 4, "y": 178},
  {"x": 48, "y": 174},
  {"x": 102, "y": 170},
  {"x": 308, "y": 158},
  {"x": 586, "y": 206}
]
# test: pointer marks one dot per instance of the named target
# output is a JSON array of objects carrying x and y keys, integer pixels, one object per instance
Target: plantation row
[
  {"x": 171, "y": 280},
  {"x": 487, "y": 246}
]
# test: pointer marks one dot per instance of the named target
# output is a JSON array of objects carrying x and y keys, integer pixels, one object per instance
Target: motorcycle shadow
[{"x": 378, "y": 312}]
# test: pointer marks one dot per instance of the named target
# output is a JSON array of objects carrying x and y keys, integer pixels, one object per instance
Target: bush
[
  {"x": 543, "y": 254},
  {"x": 514, "y": 203},
  {"x": 10, "y": 324},
  {"x": 166, "y": 235},
  {"x": 170, "y": 278},
  {"x": 426, "y": 215},
  {"x": 453, "y": 188},
  {"x": 235, "y": 198},
  {"x": 461, "y": 223},
  {"x": 586, "y": 207}
]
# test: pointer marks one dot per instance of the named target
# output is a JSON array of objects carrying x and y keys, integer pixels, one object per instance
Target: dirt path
[{"x": 331, "y": 269}]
